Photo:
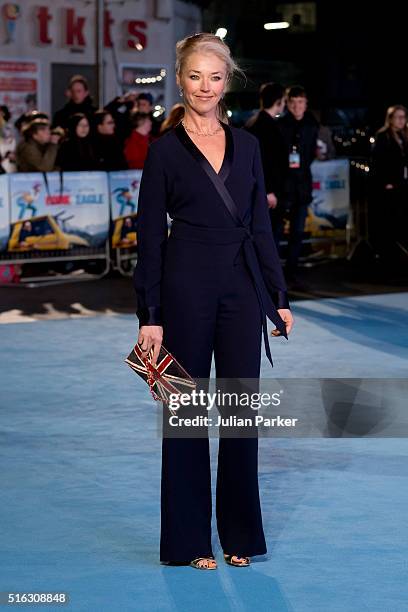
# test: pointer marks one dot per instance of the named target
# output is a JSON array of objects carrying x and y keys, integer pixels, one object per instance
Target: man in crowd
[
  {"x": 36, "y": 153},
  {"x": 145, "y": 105},
  {"x": 299, "y": 130},
  {"x": 79, "y": 102},
  {"x": 137, "y": 144},
  {"x": 264, "y": 126}
]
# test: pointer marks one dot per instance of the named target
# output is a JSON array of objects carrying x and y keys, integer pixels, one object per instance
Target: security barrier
[{"x": 71, "y": 216}]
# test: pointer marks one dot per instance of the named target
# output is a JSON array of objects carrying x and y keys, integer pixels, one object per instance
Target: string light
[
  {"x": 277, "y": 25},
  {"x": 153, "y": 79}
]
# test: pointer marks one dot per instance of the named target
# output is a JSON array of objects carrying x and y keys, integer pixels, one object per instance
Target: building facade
[{"x": 43, "y": 44}]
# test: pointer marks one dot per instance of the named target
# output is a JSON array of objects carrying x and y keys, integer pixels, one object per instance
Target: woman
[
  {"x": 108, "y": 147},
  {"x": 390, "y": 181},
  {"x": 176, "y": 114},
  {"x": 200, "y": 292},
  {"x": 76, "y": 153},
  {"x": 136, "y": 145},
  {"x": 8, "y": 143}
]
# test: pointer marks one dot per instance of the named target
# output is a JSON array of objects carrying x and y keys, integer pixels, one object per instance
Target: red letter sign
[
  {"x": 74, "y": 35},
  {"x": 43, "y": 17},
  {"x": 133, "y": 30}
]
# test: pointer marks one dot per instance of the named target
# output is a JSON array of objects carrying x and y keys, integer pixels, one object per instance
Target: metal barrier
[
  {"x": 69, "y": 222},
  {"x": 125, "y": 260},
  {"x": 34, "y": 257}
]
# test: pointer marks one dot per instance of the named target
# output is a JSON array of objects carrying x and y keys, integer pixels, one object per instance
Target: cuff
[
  {"x": 280, "y": 299},
  {"x": 150, "y": 315}
]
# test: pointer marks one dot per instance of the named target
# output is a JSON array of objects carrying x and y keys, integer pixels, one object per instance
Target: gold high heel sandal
[
  {"x": 240, "y": 561},
  {"x": 197, "y": 563}
]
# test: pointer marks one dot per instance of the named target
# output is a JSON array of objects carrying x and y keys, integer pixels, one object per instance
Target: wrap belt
[{"x": 241, "y": 234}]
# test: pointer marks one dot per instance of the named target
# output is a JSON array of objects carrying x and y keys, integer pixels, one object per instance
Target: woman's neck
[{"x": 201, "y": 123}]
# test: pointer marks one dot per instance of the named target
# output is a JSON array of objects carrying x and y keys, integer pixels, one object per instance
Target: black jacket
[
  {"x": 62, "y": 116},
  {"x": 273, "y": 151},
  {"x": 77, "y": 154},
  {"x": 302, "y": 133},
  {"x": 109, "y": 153},
  {"x": 389, "y": 160}
]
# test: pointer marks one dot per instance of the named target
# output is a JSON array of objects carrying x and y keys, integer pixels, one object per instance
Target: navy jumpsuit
[{"x": 210, "y": 284}]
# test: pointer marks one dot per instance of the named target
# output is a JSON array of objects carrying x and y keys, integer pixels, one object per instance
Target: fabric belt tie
[{"x": 243, "y": 235}]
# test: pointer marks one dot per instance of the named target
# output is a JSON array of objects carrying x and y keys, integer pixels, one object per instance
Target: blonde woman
[
  {"x": 389, "y": 173},
  {"x": 205, "y": 290}
]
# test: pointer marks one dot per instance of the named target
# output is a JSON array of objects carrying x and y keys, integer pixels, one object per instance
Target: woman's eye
[
  {"x": 193, "y": 76},
  {"x": 217, "y": 78}
]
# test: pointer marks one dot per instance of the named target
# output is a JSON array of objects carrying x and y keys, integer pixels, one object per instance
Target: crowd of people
[{"x": 81, "y": 137}]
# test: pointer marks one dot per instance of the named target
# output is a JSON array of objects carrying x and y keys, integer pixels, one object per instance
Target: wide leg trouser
[{"x": 216, "y": 310}]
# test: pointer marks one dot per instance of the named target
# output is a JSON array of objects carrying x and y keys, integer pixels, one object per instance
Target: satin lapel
[{"x": 216, "y": 179}]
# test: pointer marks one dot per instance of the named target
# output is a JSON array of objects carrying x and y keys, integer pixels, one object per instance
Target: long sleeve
[
  {"x": 31, "y": 158},
  {"x": 273, "y": 156},
  {"x": 264, "y": 240},
  {"x": 151, "y": 240}
]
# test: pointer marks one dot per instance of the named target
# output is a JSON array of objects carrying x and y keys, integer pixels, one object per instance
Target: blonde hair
[
  {"x": 387, "y": 127},
  {"x": 208, "y": 43}
]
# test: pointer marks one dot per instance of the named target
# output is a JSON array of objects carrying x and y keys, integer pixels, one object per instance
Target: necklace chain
[{"x": 219, "y": 128}]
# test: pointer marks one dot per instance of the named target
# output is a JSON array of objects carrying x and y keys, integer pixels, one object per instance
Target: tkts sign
[{"x": 74, "y": 29}]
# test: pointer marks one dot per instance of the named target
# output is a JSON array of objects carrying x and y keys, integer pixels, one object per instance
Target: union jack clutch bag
[{"x": 168, "y": 377}]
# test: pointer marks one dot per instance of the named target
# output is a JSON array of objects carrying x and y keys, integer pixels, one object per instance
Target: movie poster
[{"x": 58, "y": 211}]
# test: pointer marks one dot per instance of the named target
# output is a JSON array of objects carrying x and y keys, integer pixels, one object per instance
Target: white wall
[{"x": 167, "y": 21}]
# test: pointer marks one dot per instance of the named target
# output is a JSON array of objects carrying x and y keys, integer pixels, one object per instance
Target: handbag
[{"x": 166, "y": 379}]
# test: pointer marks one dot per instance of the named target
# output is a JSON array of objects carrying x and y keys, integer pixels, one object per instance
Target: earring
[{"x": 181, "y": 92}]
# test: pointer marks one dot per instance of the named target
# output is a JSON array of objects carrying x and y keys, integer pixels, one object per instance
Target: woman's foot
[
  {"x": 236, "y": 561},
  {"x": 204, "y": 563}
]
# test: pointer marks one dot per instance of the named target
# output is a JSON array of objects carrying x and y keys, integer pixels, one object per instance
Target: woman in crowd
[
  {"x": 76, "y": 152},
  {"x": 8, "y": 143},
  {"x": 389, "y": 218},
  {"x": 107, "y": 146},
  {"x": 175, "y": 116}
]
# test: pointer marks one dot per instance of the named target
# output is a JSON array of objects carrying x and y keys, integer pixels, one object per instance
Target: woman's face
[
  {"x": 145, "y": 126},
  {"x": 107, "y": 127},
  {"x": 398, "y": 120},
  {"x": 203, "y": 80},
  {"x": 82, "y": 129}
]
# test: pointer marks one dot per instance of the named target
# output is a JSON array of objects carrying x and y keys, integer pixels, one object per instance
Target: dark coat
[
  {"x": 302, "y": 133},
  {"x": 389, "y": 160},
  {"x": 34, "y": 157},
  {"x": 61, "y": 117},
  {"x": 122, "y": 114},
  {"x": 109, "y": 153},
  {"x": 77, "y": 154},
  {"x": 273, "y": 151}
]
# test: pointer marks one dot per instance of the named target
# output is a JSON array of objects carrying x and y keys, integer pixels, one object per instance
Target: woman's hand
[
  {"x": 287, "y": 317},
  {"x": 151, "y": 336}
]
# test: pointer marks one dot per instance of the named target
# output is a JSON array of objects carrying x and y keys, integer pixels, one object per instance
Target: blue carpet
[{"x": 80, "y": 475}]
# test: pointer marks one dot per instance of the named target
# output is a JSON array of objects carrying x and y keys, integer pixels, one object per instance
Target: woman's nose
[{"x": 205, "y": 85}]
